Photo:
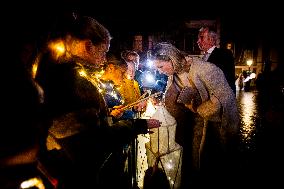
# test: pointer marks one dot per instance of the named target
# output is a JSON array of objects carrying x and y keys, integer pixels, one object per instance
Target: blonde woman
[{"x": 202, "y": 88}]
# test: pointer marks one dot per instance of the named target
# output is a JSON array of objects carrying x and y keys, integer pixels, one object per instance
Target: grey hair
[
  {"x": 167, "y": 51},
  {"x": 212, "y": 34}
]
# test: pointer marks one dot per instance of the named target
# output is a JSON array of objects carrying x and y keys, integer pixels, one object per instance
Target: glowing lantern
[
  {"x": 162, "y": 150},
  {"x": 142, "y": 159}
]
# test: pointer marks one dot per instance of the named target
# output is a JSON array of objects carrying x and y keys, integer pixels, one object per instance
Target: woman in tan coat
[{"x": 203, "y": 88}]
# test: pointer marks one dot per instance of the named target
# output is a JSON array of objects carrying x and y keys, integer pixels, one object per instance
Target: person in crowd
[
  {"x": 129, "y": 85},
  {"x": 246, "y": 80},
  {"x": 212, "y": 122},
  {"x": 145, "y": 76},
  {"x": 133, "y": 74},
  {"x": 221, "y": 57},
  {"x": 131, "y": 56},
  {"x": 81, "y": 136},
  {"x": 132, "y": 60},
  {"x": 126, "y": 90},
  {"x": 240, "y": 82},
  {"x": 259, "y": 82}
]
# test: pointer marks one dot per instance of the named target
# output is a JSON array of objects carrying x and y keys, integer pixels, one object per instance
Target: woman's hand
[
  {"x": 117, "y": 112},
  {"x": 140, "y": 106},
  {"x": 191, "y": 106}
]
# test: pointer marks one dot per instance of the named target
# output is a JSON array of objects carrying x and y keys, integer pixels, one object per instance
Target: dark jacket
[
  {"x": 224, "y": 59},
  {"x": 79, "y": 123}
]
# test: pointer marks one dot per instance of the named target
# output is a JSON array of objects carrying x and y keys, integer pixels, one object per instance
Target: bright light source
[
  {"x": 249, "y": 62},
  {"x": 149, "y": 63},
  {"x": 150, "y": 78},
  {"x": 33, "y": 182},
  {"x": 252, "y": 75}
]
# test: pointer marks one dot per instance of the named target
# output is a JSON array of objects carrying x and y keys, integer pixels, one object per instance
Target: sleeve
[
  {"x": 216, "y": 86},
  {"x": 213, "y": 79}
]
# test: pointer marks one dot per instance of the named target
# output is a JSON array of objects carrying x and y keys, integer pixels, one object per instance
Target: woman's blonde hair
[{"x": 166, "y": 51}]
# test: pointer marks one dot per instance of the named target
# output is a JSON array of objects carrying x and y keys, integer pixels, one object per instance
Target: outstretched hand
[{"x": 117, "y": 111}]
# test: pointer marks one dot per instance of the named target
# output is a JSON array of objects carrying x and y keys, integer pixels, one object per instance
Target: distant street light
[{"x": 249, "y": 63}]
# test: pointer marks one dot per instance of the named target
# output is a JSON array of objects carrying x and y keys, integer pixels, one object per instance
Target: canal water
[{"x": 261, "y": 145}]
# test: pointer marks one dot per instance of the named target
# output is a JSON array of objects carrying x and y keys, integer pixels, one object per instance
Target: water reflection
[
  {"x": 248, "y": 114},
  {"x": 261, "y": 157}
]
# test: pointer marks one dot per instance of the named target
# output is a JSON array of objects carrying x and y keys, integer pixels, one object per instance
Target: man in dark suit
[{"x": 223, "y": 58}]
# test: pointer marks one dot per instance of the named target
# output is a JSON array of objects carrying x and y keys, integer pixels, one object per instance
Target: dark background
[{"x": 240, "y": 20}]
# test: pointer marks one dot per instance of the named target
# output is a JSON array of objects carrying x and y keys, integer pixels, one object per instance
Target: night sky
[{"x": 239, "y": 20}]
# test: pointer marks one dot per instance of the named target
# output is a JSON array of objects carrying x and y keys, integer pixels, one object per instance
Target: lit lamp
[
  {"x": 162, "y": 150},
  {"x": 249, "y": 63}
]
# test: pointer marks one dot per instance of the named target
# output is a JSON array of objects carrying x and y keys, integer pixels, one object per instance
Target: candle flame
[{"x": 150, "y": 109}]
